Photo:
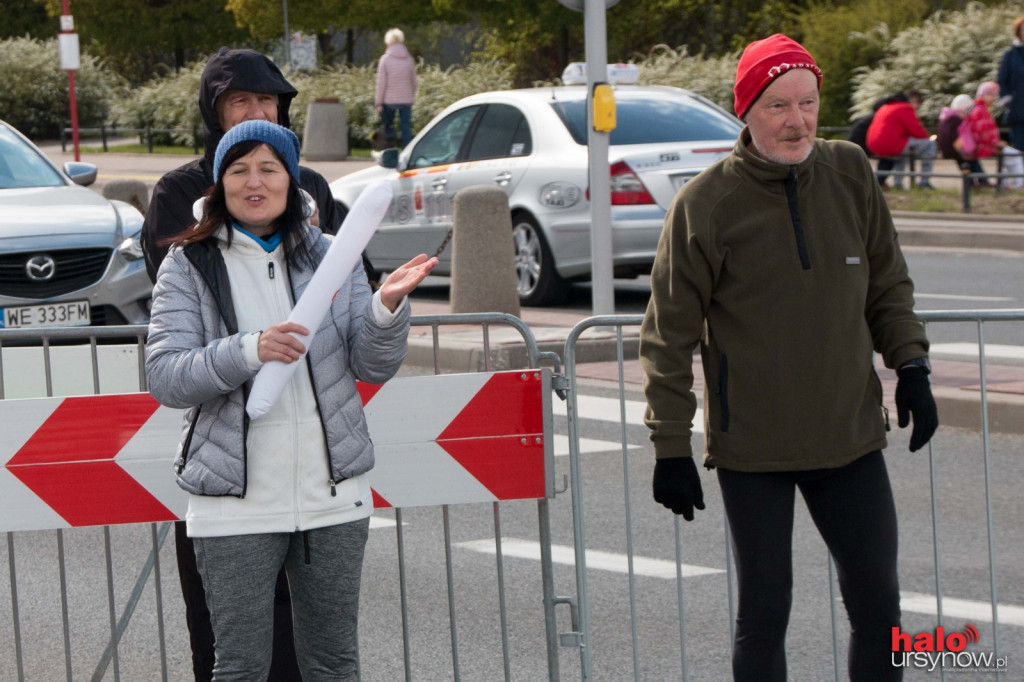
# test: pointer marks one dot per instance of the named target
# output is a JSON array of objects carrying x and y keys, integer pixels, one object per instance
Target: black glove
[
  {"x": 914, "y": 396},
  {"x": 677, "y": 485}
]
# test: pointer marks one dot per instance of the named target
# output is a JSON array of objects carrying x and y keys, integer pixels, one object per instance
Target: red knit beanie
[{"x": 762, "y": 62}]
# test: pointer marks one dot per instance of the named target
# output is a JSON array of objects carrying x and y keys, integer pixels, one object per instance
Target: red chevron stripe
[{"x": 78, "y": 443}]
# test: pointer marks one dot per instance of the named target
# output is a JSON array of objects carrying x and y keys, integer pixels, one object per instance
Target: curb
[
  {"x": 962, "y": 409},
  {"x": 959, "y": 230},
  {"x": 957, "y": 407},
  {"x": 949, "y": 237},
  {"x": 463, "y": 355}
]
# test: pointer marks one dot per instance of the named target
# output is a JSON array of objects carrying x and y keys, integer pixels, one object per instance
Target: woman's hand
[
  {"x": 276, "y": 343},
  {"x": 404, "y": 279}
]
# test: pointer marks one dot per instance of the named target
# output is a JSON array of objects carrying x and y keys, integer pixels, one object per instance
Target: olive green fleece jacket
[{"x": 787, "y": 277}]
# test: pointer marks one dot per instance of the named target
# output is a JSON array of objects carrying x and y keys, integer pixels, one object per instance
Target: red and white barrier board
[{"x": 107, "y": 459}]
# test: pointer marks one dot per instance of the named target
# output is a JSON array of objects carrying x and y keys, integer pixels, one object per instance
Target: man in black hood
[{"x": 237, "y": 85}]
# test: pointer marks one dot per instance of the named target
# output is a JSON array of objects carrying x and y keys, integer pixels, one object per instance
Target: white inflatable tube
[{"x": 333, "y": 271}]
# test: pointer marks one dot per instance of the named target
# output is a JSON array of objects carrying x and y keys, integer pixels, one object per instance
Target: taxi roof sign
[{"x": 618, "y": 74}]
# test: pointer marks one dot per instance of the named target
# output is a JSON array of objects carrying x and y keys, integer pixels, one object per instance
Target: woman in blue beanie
[{"x": 290, "y": 488}]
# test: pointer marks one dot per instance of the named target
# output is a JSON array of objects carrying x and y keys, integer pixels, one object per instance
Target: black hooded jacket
[{"x": 170, "y": 208}]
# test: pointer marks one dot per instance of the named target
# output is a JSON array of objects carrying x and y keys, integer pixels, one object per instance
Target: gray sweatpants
[{"x": 324, "y": 567}]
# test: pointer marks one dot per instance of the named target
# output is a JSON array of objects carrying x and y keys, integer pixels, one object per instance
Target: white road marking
[
  {"x": 381, "y": 522},
  {"x": 993, "y": 351},
  {"x": 968, "y": 609},
  {"x": 602, "y": 561},
  {"x": 587, "y": 445},
  {"x": 915, "y": 602},
  {"x": 964, "y": 297},
  {"x": 607, "y": 409}
]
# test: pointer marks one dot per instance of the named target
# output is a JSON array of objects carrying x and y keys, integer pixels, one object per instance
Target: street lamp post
[{"x": 601, "y": 272}]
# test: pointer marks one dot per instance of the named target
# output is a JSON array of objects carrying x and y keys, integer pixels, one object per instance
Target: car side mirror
[
  {"x": 83, "y": 174},
  {"x": 388, "y": 158}
]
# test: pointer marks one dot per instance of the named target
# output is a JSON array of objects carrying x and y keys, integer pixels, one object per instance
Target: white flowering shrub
[
  {"x": 712, "y": 77},
  {"x": 951, "y": 53}
]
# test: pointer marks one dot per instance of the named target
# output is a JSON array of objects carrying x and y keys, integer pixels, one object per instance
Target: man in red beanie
[{"x": 781, "y": 262}]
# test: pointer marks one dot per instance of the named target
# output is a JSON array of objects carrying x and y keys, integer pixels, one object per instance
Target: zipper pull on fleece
[
  {"x": 334, "y": 492},
  {"x": 885, "y": 411},
  {"x": 270, "y": 269}
]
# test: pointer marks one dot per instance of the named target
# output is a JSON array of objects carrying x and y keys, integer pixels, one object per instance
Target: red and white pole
[{"x": 69, "y": 62}]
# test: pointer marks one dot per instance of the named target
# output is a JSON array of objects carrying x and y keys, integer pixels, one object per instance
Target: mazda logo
[{"x": 41, "y": 268}]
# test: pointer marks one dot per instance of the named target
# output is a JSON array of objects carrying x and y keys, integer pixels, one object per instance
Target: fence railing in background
[
  {"x": 967, "y": 178},
  {"x": 147, "y": 134}
]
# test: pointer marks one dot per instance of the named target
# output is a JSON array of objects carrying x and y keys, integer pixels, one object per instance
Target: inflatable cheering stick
[{"x": 336, "y": 267}]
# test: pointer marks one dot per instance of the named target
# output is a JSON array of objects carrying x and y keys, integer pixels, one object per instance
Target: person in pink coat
[
  {"x": 897, "y": 131},
  {"x": 985, "y": 132},
  {"x": 396, "y": 86}
]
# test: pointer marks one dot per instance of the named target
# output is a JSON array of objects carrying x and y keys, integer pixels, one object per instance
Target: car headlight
[{"x": 131, "y": 248}]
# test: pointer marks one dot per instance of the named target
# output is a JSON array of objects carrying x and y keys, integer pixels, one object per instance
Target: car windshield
[
  {"x": 653, "y": 119},
  {"x": 21, "y": 166}
]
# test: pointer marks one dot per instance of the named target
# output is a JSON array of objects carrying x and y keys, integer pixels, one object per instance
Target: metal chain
[{"x": 447, "y": 238}]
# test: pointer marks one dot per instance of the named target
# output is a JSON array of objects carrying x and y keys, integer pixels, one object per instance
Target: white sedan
[{"x": 532, "y": 144}]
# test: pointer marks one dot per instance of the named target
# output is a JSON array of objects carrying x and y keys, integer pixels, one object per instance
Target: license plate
[
  {"x": 67, "y": 314},
  {"x": 679, "y": 180}
]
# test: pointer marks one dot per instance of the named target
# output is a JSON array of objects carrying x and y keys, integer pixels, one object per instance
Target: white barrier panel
[
  {"x": 71, "y": 370},
  {"x": 107, "y": 459}
]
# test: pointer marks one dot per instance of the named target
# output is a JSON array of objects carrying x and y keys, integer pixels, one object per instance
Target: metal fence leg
[
  {"x": 110, "y": 603},
  {"x": 988, "y": 494},
  {"x": 451, "y": 591},
  {"x": 548, "y": 581},
  {"x": 502, "y": 613},
  {"x": 65, "y": 619},
  {"x": 18, "y": 653},
  {"x": 158, "y": 541},
  {"x": 403, "y": 595},
  {"x": 680, "y": 606},
  {"x": 835, "y": 617}
]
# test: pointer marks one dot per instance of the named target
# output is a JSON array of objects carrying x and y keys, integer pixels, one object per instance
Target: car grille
[
  {"x": 75, "y": 269},
  {"x": 106, "y": 315}
]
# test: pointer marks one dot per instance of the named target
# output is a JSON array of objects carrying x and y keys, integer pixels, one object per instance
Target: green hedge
[
  {"x": 34, "y": 97},
  {"x": 172, "y": 102}
]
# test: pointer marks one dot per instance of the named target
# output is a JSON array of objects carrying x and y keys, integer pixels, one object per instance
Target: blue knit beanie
[{"x": 280, "y": 138}]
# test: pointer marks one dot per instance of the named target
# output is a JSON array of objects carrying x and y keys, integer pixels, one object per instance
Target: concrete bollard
[
  {"x": 325, "y": 136},
  {"x": 133, "y": 192},
  {"x": 483, "y": 256}
]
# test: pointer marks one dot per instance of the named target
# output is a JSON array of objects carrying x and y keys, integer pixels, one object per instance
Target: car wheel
[{"x": 536, "y": 279}]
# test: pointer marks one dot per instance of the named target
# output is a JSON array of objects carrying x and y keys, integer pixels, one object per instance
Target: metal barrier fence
[
  {"x": 700, "y": 608},
  {"x": 90, "y": 601},
  {"x": 75, "y": 613}
]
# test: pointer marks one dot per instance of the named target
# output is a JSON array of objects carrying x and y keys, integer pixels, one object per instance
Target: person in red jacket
[
  {"x": 986, "y": 133},
  {"x": 897, "y": 131}
]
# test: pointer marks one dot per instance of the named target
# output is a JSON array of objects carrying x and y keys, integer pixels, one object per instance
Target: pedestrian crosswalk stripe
[
  {"x": 993, "y": 351},
  {"x": 587, "y": 445},
  {"x": 603, "y": 561},
  {"x": 608, "y": 409}
]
